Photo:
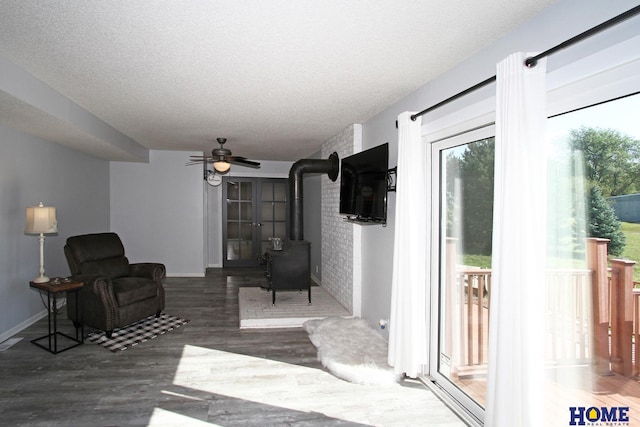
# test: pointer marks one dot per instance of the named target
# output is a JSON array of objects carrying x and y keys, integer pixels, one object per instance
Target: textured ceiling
[{"x": 277, "y": 78}]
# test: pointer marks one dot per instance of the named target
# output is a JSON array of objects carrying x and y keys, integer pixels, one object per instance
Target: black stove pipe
[{"x": 330, "y": 166}]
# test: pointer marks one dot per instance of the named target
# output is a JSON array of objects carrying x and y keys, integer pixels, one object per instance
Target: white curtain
[
  {"x": 408, "y": 325},
  {"x": 515, "y": 381}
]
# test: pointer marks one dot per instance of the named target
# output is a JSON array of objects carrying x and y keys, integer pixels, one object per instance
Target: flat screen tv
[{"x": 363, "y": 185}]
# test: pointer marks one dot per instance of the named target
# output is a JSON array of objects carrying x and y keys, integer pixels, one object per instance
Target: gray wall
[
  {"x": 554, "y": 25},
  {"x": 158, "y": 210},
  {"x": 33, "y": 170}
]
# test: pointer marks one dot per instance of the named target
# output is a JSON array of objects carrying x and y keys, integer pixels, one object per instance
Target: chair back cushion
[
  {"x": 109, "y": 267},
  {"x": 100, "y": 253}
]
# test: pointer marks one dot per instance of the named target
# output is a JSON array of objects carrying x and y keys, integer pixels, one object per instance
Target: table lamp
[{"x": 41, "y": 220}]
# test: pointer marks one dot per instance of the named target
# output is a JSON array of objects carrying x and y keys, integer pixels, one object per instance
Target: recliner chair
[{"x": 115, "y": 293}]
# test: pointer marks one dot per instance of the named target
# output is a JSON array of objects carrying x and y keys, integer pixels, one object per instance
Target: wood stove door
[{"x": 254, "y": 210}]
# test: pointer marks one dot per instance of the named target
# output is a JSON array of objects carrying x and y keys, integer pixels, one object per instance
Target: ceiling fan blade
[
  {"x": 224, "y": 155},
  {"x": 196, "y": 160},
  {"x": 241, "y": 161}
]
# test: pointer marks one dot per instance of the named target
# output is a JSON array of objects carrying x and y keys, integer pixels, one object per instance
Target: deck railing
[
  {"x": 569, "y": 316},
  {"x": 636, "y": 329},
  {"x": 624, "y": 309},
  {"x": 593, "y": 314},
  {"x": 476, "y": 297}
]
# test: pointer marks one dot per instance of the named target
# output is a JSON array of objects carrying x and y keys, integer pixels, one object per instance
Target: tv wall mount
[
  {"x": 392, "y": 175},
  {"x": 391, "y": 186}
]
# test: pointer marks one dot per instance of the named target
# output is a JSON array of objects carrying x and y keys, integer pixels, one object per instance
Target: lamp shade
[
  {"x": 41, "y": 220},
  {"x": 221, "y": 166}
]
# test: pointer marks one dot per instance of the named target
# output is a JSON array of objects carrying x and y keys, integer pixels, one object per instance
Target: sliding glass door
[
  {"x": 590, "y": 302},
  {"x": 463, "y": 215}
]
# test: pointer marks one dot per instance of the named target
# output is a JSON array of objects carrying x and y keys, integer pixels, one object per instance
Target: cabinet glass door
[
  {"x": 239, "y": 222},
  {"x": 254, "y": 212},
  {"x": 273, "y": 211}
]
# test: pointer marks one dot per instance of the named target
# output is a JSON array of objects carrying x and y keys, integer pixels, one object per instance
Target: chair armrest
[
  {"x": 151, "y": 270},
  {"x": 95, "y": 283},
  {"x": 97, "y": 301},
  {"x": 96, "y": 288}
]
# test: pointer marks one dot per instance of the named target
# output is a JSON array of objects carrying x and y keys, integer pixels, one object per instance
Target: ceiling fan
[{"x": 222, "y": 159}]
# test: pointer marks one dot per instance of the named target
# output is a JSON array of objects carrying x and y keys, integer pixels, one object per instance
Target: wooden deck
[
  {"x": 581, "y": 387},
  {"x": 573, "y": 386},
  {"x": 566, "y": 386},
  {"x": 592, "y": 325}
]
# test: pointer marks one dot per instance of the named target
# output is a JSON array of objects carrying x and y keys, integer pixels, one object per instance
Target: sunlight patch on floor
[
  {"x": 161, "y": 417},
  {"x": 306, "y": 389}
]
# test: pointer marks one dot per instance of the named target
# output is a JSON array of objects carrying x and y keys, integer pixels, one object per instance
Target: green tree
[
  {"x": 611, "y": 159},
  {"x": 469, "y": 195},
  {"x": 603, "y": 222},
  {"x": 476, "y": 171}
]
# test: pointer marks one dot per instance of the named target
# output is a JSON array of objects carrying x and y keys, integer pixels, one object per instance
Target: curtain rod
[{"x": 532, "y": 61}]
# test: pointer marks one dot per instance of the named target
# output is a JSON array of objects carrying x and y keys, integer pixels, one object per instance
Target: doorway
[
  {"x": 462, "y": 179},
  {"x": 254, "y": 211}
]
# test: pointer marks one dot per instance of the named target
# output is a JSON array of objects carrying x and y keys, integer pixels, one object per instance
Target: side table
[{"x": 52, "y": 291}]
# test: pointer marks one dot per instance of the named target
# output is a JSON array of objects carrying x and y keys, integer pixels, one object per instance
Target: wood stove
[{"x": 290, "y": 268}]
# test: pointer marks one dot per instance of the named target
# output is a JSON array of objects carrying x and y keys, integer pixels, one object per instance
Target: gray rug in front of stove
[{"x": 291, "y": 310}]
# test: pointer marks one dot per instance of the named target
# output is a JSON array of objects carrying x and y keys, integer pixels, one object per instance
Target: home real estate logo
[{"x": 599, "y": 416}]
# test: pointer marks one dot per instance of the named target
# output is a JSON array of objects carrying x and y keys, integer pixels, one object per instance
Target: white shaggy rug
[{"x": 352, "y": 350}]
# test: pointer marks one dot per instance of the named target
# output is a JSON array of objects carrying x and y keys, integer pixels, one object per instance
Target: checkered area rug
[{"x": 138, "y": 332}]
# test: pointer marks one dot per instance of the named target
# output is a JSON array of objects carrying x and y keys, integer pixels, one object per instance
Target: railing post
[
  {"x": 622, "y": 316},
  {"x": 597, "y": 259}
]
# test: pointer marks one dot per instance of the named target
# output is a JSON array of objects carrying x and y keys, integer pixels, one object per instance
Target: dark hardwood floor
[{"x": 207, "y": 372}]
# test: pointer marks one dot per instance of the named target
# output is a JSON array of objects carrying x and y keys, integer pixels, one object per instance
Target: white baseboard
[
  {"x": 22, "y": 325},
  {"x": 185, "y": 275},
  {"x": 61, "y": 302}
]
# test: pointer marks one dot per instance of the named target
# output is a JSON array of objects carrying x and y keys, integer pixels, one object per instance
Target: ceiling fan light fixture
[
  {"x": 222, "y": 159},
  {"x": 221, "y": 166}
]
